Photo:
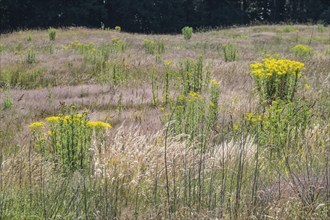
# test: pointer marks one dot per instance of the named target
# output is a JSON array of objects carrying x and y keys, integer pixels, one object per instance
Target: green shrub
[
  {"x": 118, "y": 28},
  {"x": 7, "y": 102},
  {"x": 52, "y": 34},
  {"x": 229, "y": 52},
  {"x": 276, "y": 78},
  {"x": 187, "y": 32},
  {"x": 302, "y": 51}
]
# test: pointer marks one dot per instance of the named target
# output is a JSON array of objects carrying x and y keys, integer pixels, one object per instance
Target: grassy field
[{"x": 191, "y": 135}]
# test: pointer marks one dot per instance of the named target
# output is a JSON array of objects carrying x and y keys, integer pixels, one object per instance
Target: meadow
[{"x": 211, "y": 124}]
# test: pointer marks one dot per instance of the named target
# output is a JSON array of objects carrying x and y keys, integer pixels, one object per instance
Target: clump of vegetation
[
  {"x": 230, "y": 52},
  {"x": 30, "y": 56},
  {"x": 194, "y": 111},
  {"x": 118, "y": 28},
  {"x": 7, "y": 102},
  {"x": 327, "y": 50},
  {"x": 52, "y": 34},
  {"x": 29, "y": 39},
  {"x": 276, "y": 78},
  {"x": 118, "y": 45},
  {"x": 154, "y": 47},
  {"x": 187, "y": 32},
  {"x": 302, "y": 51},
  {"x": 22, "y": 78},
  {"x": 69, "y": 139},
  {"x": 320, "y": 28},
  {"x": 288, "y": 29},
  {"x": 279, "y": 123},
  {"x": 2, "y": 48},
  {"x": 194, "y": 75}
]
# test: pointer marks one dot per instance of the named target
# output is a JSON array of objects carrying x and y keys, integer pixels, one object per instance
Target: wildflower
[
  {"x": 271, "y": 67},
  {"x": 36, "y": 126},
  {"x": 213, "y": 82},
  {"x": 236, "y": 126},
  {"x": 53, "y": 119},
  {"x": 193, "y": 94},
  {"x": 98, "y": 125},
  {"x": 168, "y": 63},
  {"x": 302, "y": 51},
  {"x": 307, "y": 86}
]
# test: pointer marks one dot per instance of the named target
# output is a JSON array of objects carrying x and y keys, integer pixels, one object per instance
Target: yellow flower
[
  {"x": 307, "y": 86},
  {"x": 53, "y": 119},
  {"x": 36, "y": 126},
  {"x": 272, "y": 66},
  {"x": 98, "y": 125},
  {"x": 168, "y": 63},
  {"x": 193, "y": 94},
  {"x": 213, "y": 82}
]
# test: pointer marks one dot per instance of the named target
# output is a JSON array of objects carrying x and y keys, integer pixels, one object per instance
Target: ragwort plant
[
  {"x": 154, "y": 47},
  {"x": 320, "y": 28},
  {"x": 302, "y": 51},
  {"x": 229, "y": 52},
  {"x": 118, "y": 28},
  {"x": 193, "y": 75},
  {"x": 194, "y": 112},
  {"x": 30, "y": 56},
  {"x": 52, "y": 34},
  {"x": 276, "y": 78},
  {"x": 279, "y": 124},
  {"x": 118, "y": 45},
  {"x": 187, "y": 32},
  {"x": 67, "y": 139},
  {"x": 7, "y": 102}
]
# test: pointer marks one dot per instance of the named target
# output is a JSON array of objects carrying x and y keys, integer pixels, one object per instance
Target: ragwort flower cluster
[{"x": 276, "y": 78}]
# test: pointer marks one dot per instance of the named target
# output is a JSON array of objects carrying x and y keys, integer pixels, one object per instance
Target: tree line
[{"x": 157, "y": 16}]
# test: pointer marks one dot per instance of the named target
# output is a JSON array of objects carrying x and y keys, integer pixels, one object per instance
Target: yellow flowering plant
[
  {"x": 302, "y": 51},
  {"x": 276, "y": 78},
  {"x": 38, "y": 135},
  {"x": 69, "y": 138},
  {"x": 278, "y": 123}
]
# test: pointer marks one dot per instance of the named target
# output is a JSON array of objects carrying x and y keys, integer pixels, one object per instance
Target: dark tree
[{"x": 157, "y": 16}]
